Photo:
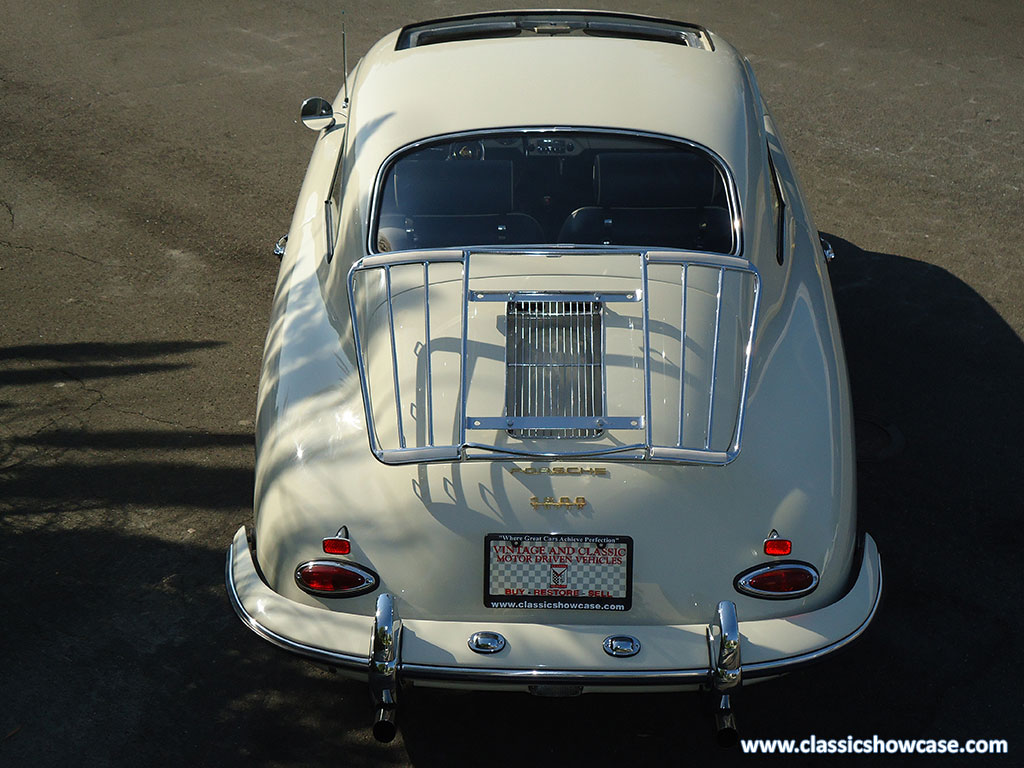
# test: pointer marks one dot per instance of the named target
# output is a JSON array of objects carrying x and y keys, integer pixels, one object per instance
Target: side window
[{"x": 778, "y": 211}]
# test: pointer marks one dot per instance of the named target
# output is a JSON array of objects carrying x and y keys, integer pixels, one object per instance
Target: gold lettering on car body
[
  {"x": 597, "y": 471},
  {"x": 550, "y": 502}
]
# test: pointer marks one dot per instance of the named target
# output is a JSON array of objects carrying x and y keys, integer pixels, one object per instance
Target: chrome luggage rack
[{"x": 402, "y": 351}]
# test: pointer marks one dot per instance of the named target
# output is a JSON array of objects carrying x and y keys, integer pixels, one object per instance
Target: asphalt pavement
[{"x": 150, "y": 156}]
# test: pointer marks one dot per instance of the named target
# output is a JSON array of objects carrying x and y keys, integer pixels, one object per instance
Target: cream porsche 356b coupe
[{"x": 553, "y": 396}]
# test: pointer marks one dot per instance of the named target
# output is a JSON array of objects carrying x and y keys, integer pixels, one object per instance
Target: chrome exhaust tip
[
  {"x": 726, "y": 733},
  {"x": 384, "y": 728}
]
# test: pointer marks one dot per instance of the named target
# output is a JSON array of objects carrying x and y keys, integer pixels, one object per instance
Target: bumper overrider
[{"x": 385, "y": 650}]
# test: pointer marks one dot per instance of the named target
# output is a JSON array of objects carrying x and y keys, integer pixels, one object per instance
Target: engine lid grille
[{"x": 553, "y": 360}]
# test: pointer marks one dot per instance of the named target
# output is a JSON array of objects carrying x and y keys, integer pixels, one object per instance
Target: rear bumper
[{"x": 436, "y": 653}]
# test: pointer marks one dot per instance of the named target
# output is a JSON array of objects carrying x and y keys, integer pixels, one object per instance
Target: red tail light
[
  {"x": 779, "y": 580},
  {"x": 330, "y": 578}
]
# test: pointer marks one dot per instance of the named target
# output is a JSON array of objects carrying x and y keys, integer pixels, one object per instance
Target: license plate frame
[{"x": 558, "y": 571}]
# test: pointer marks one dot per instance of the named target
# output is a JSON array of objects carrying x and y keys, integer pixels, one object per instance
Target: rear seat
[
  {"x": 672, "y": 200},
  {"x": 452, "y": 203}
]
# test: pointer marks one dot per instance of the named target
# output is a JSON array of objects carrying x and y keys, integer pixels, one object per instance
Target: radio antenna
[{"x": 344, "y": 57}]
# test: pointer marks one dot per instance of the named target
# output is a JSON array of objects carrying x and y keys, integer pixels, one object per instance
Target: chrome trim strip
[
  {"x": 691, "y": 455},
  {"x": 697, "y": 259},
  {"x": 398, "y": 258},
  {"x": 329, "y": 225},
  {"x": 714, "y": 358},
  {"x": 554, "y": 296},
  {"x": 555, "y": 422},
  {"x": 420, "y": 455},
  {"x": 464, "y": 351},
  {"x": 426, "y": 337},
  {"x": 768, "y": 668},
  {"x": 647, "y": 350},
  {"x": 346, "y": 660},
  {"x": 748, "y": 355},
  {"x": 736, "y": 214},
  {"x": 394, "y": 358},
  {"x": 504, "y": 451},
  {"x": 651, "y": 677},
  {"x": 682, "y": 355},
  {"x": 364, "y": 380}
]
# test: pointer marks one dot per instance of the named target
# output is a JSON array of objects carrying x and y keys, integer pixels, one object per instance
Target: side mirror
[
  {"x": 280, "y": 246},
  {"x": 826, "y": 248},
  {"x": 317, "y": 113}
]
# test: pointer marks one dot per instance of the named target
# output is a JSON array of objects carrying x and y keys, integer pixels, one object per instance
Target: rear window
[{"x": 554, "y": 187}]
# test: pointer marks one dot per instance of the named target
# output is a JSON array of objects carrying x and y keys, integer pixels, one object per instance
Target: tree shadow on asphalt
[
  {"x": 93, "y": 360},
  {"x": 118, "y": 643},
  {"x": 123, "y": 650}
]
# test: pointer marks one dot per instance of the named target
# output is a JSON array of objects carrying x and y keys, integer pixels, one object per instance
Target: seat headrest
[
  {"x": 453, "y": 187},
  {"x": 670, "y": 179}
]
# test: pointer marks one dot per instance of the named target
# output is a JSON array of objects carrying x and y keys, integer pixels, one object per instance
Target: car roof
[{"x": 402, "y": 93}]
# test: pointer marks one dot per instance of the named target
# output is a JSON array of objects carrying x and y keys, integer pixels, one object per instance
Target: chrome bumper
[{"x": 770, "y": 647}]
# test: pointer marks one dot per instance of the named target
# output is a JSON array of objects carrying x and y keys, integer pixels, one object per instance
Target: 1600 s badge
[{"x": 552, "y": 570}]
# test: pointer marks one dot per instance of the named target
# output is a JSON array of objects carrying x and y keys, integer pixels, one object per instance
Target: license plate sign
[{"x": 557, "y": 570}]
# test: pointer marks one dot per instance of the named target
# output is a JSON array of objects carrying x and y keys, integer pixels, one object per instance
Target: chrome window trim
[
  {"x": 736, "y": 214},
  {"x": 780, "y": 217},
  {"x": 332, "y": 231}
]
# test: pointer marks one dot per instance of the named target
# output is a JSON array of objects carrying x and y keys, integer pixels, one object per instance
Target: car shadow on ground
[{"x": 935, "y": 373}]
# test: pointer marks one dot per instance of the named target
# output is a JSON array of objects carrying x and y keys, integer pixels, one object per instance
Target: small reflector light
[
  {"x": 337, "y": 546},
  {"x": 333, "y": 579},
  {"x": 778, "y": 546}
]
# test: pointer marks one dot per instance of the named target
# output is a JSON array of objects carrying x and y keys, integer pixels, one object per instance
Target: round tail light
[
  {"x": 778, "y": 580},
  {"x": 331, "y": 578}
]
